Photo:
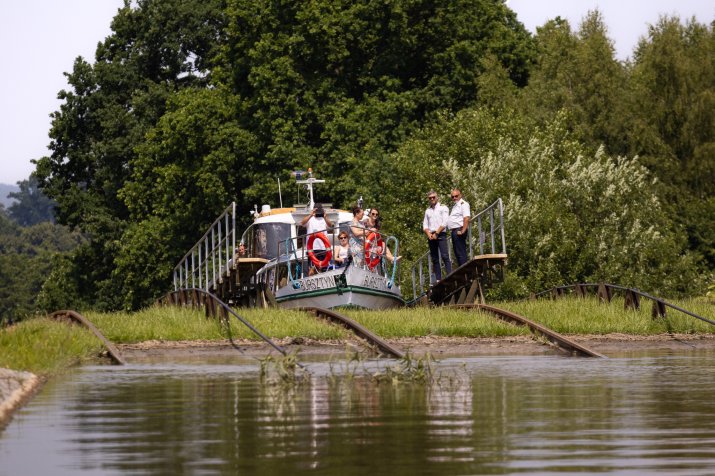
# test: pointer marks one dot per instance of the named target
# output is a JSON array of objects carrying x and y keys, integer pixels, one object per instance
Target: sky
[{"x": 41, "y": 39}]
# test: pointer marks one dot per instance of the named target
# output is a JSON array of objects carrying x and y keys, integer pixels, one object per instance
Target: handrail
[
  {"x": 395, "y": 254},
  {"x": 211, "y": 258},
  {"x": 655, "y": 299},
  {"x": 487, "y": 223}
]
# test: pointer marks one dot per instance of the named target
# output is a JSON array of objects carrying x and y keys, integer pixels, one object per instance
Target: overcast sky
[{"x": 41, "y": 39}]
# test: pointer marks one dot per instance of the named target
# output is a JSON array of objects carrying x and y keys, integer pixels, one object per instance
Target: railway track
[
  {"x": 560, "y": 341},
  {"x": 77, "y": 318}
]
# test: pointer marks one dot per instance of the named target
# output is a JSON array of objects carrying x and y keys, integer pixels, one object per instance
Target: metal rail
[
  {"x": 358, "y": 329},
  {"x": 198, "y": 297},
  {"x": 554, "y": 337},
  {"x": 485, "y": 232},
  {"x": 631, "y": 295},
  {"x": 210, "y": 260},
  {"x": 73, "y": 316}
]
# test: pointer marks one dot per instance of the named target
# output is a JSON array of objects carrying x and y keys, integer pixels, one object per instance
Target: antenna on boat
[
  {"x": 280, "y": 194},
  {"x": 309, "y": 186}
]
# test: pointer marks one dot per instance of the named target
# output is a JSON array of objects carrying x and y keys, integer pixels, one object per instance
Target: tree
[
  {"x": 27, "y": 255},
  {"x": 579, "y": 72},
  {"x": 338, "y": 85},
  {"x": 145, "y": 153},
  {"x": 156, "y": 48},
  {"x": 32, "y": 206},
  {"x": 673, "y": 125},
  {"x": 571, "y": 214}
]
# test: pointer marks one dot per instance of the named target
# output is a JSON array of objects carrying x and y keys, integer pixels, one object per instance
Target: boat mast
[{"x": 309, "y": 186}]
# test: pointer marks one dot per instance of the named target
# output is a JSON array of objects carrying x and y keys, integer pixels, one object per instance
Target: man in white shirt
[
  {"x": 434, "y": 226},
  {"x": 458, "y": 224}
]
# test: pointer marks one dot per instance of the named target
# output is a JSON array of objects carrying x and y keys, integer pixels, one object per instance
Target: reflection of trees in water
[{"x": 481, "y": 419}]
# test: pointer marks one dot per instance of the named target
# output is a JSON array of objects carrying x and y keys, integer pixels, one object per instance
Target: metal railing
[
  {"x": 294, "y": 264},
  {"x": 210, "y": 260},
  {"x": 485, "y": 234}
]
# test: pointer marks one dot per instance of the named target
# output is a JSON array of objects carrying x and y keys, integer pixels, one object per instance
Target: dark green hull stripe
[{"x": 354, "y": 289}]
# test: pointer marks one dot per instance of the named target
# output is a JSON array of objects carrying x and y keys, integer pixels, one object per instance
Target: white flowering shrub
[{"x": 570, "y": 215}]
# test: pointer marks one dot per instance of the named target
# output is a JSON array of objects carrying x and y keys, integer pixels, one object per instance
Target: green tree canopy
[
  {"x": 571, "y": 214},
  {"x": 32, "y": 206}
]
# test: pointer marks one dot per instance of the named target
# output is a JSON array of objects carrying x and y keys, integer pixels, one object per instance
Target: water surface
[{"x": 638, "y": 414}]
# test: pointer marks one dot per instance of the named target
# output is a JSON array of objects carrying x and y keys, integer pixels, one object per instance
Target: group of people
[
  {"x": 351, "y": 242},
  {"x": 438, "y": 221}
]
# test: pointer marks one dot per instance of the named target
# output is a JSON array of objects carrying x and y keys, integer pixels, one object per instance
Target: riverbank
[
  {"x": 16, "y": 388},
  {"x": 438, "y": 347}
]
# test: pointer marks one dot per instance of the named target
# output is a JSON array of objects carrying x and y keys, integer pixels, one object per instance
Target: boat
[{"x": 274, "y": 261}]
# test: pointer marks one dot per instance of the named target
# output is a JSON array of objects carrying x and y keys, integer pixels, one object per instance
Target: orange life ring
[
  {"x": 328, "y": 255},
  {"x": 373, "y": 251}
]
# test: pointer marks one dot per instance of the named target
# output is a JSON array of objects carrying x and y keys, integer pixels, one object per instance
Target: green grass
[
  {"x": 588, "y": 316},
  {"x": 46, "y": 347},
  {"x": 423, "y": 321},
  {"x": 174, "y": 324}
]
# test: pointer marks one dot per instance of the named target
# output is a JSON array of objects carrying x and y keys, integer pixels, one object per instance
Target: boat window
[{"x": 266, "y": 238}]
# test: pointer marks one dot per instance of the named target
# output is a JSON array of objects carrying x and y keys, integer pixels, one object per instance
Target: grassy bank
[{"x": 46, "y": 347}]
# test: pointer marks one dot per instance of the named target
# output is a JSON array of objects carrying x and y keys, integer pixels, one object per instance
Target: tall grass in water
[
  {"x": 46, "y": 347},
  {"x": 571, "y": 315}
]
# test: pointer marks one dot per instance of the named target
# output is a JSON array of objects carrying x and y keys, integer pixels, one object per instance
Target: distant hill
[{"x": 4, "y": 190}]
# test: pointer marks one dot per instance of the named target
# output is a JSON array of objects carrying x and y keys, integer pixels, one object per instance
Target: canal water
[{"x": 629, "y": 415}]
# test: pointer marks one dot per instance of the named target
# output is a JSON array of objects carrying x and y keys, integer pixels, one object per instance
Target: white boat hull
[{"x": 364, "y": 288}]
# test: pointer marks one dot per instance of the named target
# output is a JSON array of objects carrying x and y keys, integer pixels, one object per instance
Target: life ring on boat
[
  {"x": 311, "y": 254},
  {"x": 374, "y": 247}
]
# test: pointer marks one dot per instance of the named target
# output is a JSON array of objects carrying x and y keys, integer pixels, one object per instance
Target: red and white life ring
[
  {"x": 374, "y": 248},
  {"x": 328, "y": 255}
]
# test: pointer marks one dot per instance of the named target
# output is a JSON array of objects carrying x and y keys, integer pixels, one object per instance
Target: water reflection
[{"x": 532, "y": 415}]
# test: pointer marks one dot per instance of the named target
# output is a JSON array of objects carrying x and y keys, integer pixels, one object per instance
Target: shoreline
[{"x": 437, "y": 346}]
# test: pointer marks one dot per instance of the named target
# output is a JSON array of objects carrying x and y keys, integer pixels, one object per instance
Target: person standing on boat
[
  {"x": 317, "y": 222},
  {"x": 434, "y": 226},
  {"x": 458, "y": 224},
  {"x": 374, "y": 223},
  {"x": 358, "y": 232}
]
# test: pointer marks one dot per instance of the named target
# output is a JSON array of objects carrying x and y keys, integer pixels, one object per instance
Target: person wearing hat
[{"x": 317, "y": 222}]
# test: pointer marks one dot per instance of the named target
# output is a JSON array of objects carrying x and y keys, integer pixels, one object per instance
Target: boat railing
[
  {"x": 210, "y": 260},
  {"x": 294, "y": 262},
  {"x": 485, "y": 235}
]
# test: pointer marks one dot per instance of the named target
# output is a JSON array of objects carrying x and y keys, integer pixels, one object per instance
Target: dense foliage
[
  {"x": 191, "y": 104},
  {"x": 571, "y": 214},
  {"x": 27, "y": 256}
]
